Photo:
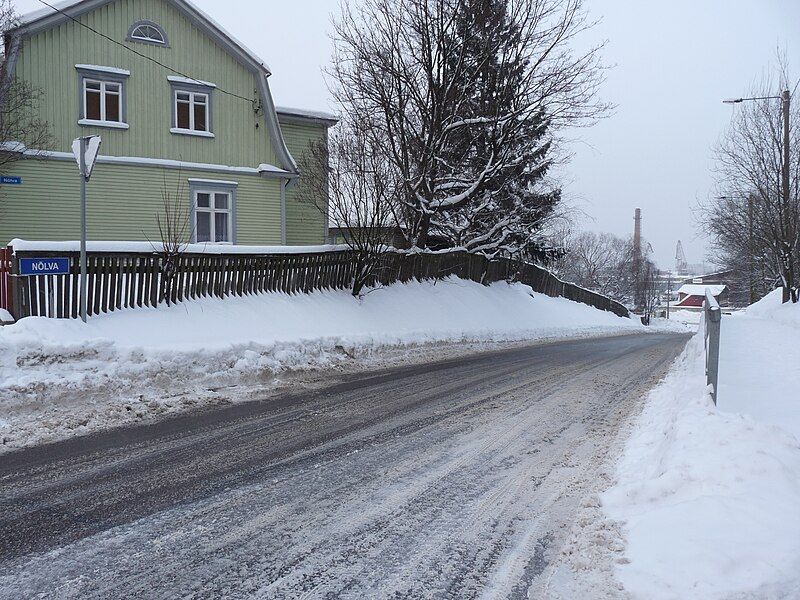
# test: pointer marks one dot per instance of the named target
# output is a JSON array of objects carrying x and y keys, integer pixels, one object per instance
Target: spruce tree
[{"x": 508, "y": 213}]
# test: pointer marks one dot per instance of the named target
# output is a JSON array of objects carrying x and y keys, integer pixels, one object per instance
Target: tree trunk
[{"x": 423, "y": 226}]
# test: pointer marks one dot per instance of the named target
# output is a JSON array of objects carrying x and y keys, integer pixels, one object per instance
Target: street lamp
[{"x": 785, "y": 99}]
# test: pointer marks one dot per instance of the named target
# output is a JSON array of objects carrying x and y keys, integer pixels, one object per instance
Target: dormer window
[{"x": 147, "y": 32}]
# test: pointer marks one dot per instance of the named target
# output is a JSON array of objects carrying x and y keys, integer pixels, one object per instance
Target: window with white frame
[
  {"x": 148, "y": 32},
  {"x": 192, "y": 104},
  {"x": 213, "y": 216},
  {"x": 191, "y": 111},
  {"x": 102, "y": 100}
]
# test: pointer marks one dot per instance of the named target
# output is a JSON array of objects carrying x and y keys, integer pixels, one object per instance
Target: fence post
[
  {"x": 713, "y": 322},
  {"x": 16, "y": 309}
]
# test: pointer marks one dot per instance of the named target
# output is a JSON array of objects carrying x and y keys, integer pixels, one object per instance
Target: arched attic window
[{"x": 147, "y": 32}]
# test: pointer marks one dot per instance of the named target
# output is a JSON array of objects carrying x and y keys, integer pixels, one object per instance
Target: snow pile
[
  {"x": 691, "y": 317},
  {"x": 708, "y": 495},
  {"x": 770, "y": 307},
  {"x": 62, "y": 377}
]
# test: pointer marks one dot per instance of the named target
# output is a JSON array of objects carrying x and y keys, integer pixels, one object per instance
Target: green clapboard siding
[
  {"x": 47, "y": 60},
  {"x": 123, "y": 202},
  {"x": 305, "y": 223},
  {"x": 125, "y": 199}
]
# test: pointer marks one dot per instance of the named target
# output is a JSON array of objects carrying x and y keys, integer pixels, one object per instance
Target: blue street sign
[
  {"x": 43, "y": 266},
  {"x": 10, "y": 180}
]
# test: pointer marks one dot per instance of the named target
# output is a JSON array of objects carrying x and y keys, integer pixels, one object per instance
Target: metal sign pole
[
  {"x": 84, "y": 278},
  {"x": 80, "y": 148}
]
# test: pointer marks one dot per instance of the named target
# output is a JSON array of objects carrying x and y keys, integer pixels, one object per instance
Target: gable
[{"x": 52, "y": 44}]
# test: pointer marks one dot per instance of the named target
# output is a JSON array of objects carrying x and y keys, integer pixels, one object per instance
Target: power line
[{"x": 137, "y": 53}]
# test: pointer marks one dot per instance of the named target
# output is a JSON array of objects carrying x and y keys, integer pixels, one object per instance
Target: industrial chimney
[{"x": 637, "y": 239}]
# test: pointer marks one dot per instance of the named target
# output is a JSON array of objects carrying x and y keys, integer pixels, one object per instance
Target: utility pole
[
  {"x": 786, "y": 98},
  {"x": 669, "y": 290},
  {"x": 751, "y": 249}
]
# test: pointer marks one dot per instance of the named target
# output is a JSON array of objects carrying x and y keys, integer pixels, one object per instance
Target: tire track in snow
[{"x": 455, "y": 480}]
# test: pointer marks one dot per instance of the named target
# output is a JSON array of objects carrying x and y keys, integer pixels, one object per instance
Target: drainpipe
[{"x": 284, "y": 185}]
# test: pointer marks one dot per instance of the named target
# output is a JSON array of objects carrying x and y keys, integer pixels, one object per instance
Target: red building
[{"x": 692, "y": 295}]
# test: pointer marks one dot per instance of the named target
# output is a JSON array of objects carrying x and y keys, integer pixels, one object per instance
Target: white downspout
[{"x": 284, "y": 185}]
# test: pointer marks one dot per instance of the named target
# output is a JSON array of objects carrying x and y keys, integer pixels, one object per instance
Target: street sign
[
  {"x": 43, "y": 266},
  {"x": 10, "y": 180},
  {"x": 90, "y": 146},
  {"x": 85, "y": 150}
]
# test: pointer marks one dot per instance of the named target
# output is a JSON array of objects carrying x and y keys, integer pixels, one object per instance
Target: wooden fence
[{"x": 130, "y": 280}]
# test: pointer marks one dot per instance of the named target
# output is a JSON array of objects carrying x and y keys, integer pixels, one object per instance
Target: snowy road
[{"x": 457, "y": 479}]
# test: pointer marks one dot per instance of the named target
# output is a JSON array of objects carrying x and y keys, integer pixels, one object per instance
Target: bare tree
[
  {"x": 651, "y": 289},
  {"x": 750, "y": 218},
  {"x": 347, "y": 179},
  {"x": 591, "y": 260},
  {"x": 409, "y": 68},
  {"x": 175, "y": 232},
  {"x": 609, "y": 265},
  {"x": 21, "y": 126}
]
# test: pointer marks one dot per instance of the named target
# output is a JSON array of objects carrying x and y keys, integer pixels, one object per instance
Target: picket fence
[{"x": 119, "y": 280}]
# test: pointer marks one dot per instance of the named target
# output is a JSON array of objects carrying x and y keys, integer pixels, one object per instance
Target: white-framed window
[
  {"x": 192, "y": 106},
  {"x": 148, "y": 33},
  {"x": 102, "y": 100},
  {"x": 102, "y": 96},
  {"x": 213, "y": 216},
  {"x": 191, "y": 111}
]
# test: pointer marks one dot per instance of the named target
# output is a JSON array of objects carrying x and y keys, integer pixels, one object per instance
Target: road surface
[{"x": 456, "y": 479}]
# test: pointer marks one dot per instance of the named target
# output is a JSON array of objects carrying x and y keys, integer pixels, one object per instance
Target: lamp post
[{"x": 785, "y": 99}]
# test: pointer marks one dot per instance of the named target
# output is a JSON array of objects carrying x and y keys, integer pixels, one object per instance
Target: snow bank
[
  {"x": 63, "y": 377},
  {"x": 770, "y": 307},
  {"x": 708, "y": 495}
]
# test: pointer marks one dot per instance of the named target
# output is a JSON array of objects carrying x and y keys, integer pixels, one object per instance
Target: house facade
[{"x": 184, "y": 112}]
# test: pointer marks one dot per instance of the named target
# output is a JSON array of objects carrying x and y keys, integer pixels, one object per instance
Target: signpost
[
  {"x": 43, "y": 266},
  {"x": 85, "y": 150}
]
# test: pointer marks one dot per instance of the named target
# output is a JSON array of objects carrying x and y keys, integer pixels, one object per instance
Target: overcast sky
[{"x": 674, "y": 60}]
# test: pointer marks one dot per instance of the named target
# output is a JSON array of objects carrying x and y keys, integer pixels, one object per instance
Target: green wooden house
[{"x": 182, "y": 108}]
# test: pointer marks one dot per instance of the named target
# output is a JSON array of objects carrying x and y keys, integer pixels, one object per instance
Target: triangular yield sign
[{"x": 92, "y": 148}]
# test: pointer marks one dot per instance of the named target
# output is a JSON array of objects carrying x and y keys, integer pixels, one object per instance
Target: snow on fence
[{"x": 120, "y": 279}]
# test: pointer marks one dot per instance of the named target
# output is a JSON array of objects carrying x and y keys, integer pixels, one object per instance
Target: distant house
[
  {"x": 182, "y": 107},
  {"x": 692, "y": 295}
]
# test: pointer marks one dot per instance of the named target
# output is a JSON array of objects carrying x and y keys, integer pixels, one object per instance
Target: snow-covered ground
[
  {"x": 60, "y": 378},
  {"x": 708, "y": 498},
  {"x": 686, "y": 316}
]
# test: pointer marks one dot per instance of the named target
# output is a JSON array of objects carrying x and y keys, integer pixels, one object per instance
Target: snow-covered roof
[
  {"x": 698, "y": 289},
  {"x": 306, "y": 114},
  {"x": 65, "y": 5}
]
